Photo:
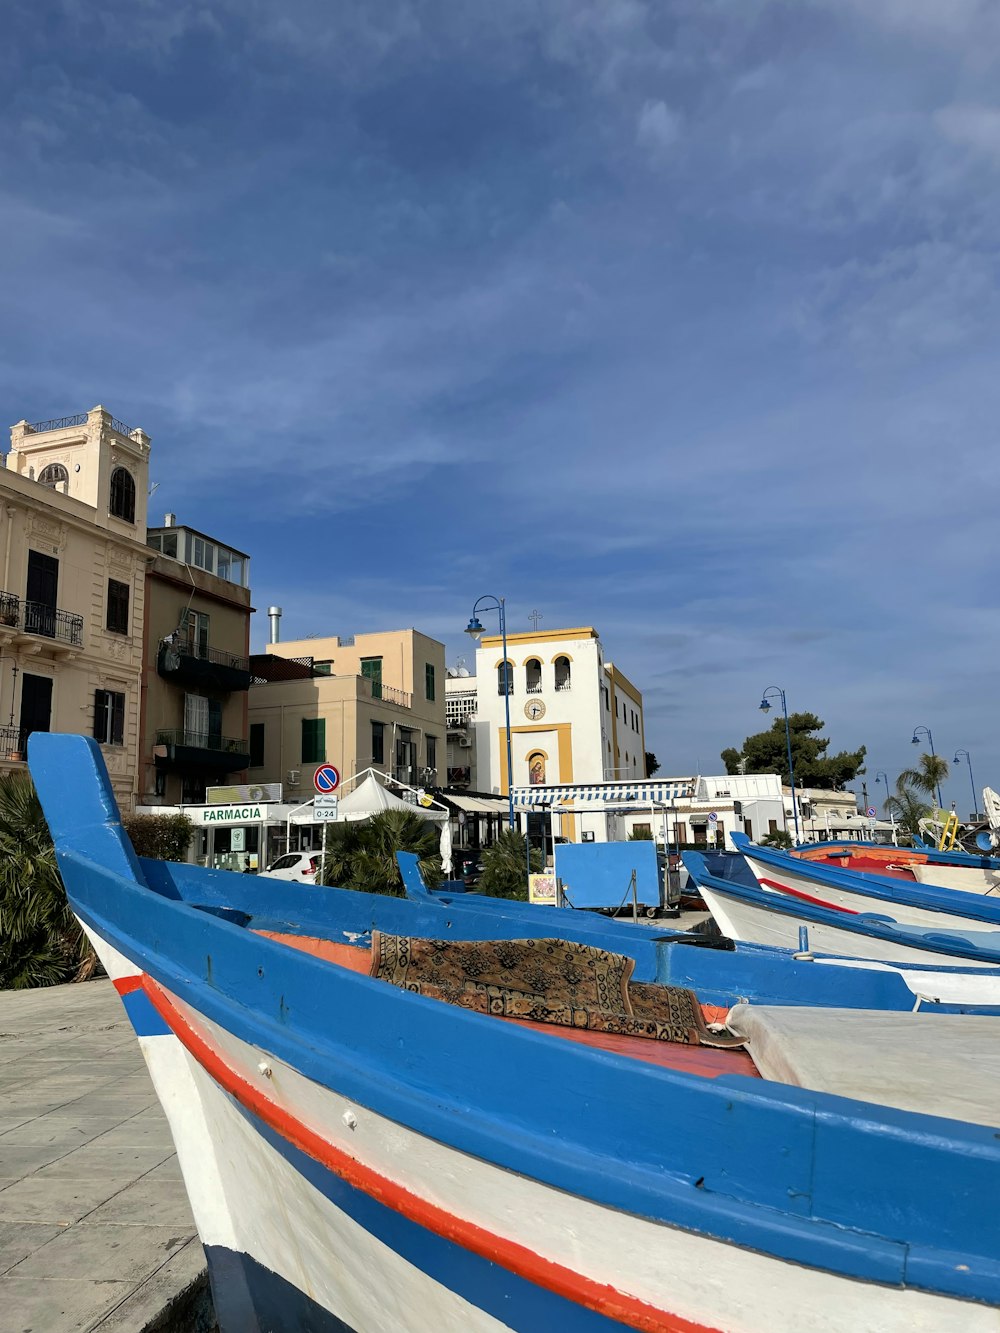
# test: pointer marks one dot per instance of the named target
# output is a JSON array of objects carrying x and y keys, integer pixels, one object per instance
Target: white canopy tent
[{"x": 370, "y": 797}]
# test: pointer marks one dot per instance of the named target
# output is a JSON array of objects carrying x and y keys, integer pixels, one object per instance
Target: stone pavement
[{"x": 95, "y": 1228}]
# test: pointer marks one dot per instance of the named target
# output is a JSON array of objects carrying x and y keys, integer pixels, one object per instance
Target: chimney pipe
[{"x": 274, "y": 615}]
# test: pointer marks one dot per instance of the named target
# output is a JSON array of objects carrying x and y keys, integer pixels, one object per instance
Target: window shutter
[{"x": 117, "y": 719}]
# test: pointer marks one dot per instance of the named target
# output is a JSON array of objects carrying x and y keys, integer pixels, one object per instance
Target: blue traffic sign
[
  {"x": 872, "y": 812},
  {"x": 326, "y": 778}
]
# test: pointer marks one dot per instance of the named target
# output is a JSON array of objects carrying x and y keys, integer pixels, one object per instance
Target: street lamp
[
  {"x": 968, "y": 760},
  {"x": 930, "y": 742},
  {"x": 765, "y": 707},
  {"x": 475, "y": 630}
]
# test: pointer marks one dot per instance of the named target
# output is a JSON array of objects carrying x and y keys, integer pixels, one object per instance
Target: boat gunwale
[{"x": 663, "y": 1191}]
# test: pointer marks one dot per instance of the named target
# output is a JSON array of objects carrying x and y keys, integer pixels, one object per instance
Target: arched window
[
  {"x": 122, "y": 495},
  {"x": 533, "y": 676},
  {"x": 563, "y": 674},
  {"x": 53, "y": 475},
  {"x": 505, "y": 678}
]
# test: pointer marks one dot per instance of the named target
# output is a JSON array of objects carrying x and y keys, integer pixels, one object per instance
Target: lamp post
[
  {"x": 475, "y": 630},
  {"x": 765, "y": 707},
  {"x": 968, "y": 760},
  {"x": 930, "y": 742},
  {"x": 883, "y": 777}
]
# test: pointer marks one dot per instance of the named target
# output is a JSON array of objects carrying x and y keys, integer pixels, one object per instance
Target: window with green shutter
[
  {"x": 313, "y": 740},
  {"x": 429, "y": 680}
]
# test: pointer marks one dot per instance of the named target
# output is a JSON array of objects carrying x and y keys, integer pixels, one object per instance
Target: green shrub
[
  {"x": 41, "y": 942},
  {"x": 160, "y": 837},
  {"x": 505, "y": 869}
]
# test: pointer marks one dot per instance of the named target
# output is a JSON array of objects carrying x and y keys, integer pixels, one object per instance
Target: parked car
[{"x": 299, "y": 866}]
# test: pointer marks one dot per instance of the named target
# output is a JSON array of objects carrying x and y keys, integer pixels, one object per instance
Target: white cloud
[
  {"x": 976, "y": 126},
  {"x": 658, "y": 129}
]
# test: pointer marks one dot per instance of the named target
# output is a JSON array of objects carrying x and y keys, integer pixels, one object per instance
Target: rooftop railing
[{"x": 58, "y": 423}]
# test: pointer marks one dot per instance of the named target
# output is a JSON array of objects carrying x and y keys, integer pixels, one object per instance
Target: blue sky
[{"x": 678, "y": 319}]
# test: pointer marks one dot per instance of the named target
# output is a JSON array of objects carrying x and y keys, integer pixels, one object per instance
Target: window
[
  {"x": 378, "y": 742},
  {"x": 53, "y": 475},
  {"x": 371, "y": 669},
  {"x": 429, "y": 680},
  {"x": 202, "y": 722},
  {"x": 505, "y": 678},
  {"x": 642, "y": 832},
  {"x": 109, "y": 717},
  {"x": 533, "y": 676},
  {"x": 432, "y": 752},
  {"x": 563, "y": 673},
  {"x": 122, "y": 495},
  {"x": 772, "y": 826},
  {"x": 36, "y": 703},
  {"x": 256, "y": 744},
  {"x": 323, "y": 668},
  {"x": 313, "y": 740},
  {"x": 196, "y": 630},
  {"x": 117, "y": 620}
]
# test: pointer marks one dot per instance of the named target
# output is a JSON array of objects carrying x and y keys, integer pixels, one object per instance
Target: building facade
[
  {"x": 194, "y": 729},
  {"x": 574, "y": 717},
  {"x": 369, "y": 701},
  {"x": 72, "y": 601}
]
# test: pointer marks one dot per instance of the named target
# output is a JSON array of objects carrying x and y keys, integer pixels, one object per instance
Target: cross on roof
[{"x": 535, "y": 617}]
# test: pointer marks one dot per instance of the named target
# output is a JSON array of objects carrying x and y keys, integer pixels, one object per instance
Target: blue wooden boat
[
  {"x": 363, "y": 1157},
  {"x": 845, "y": 890},
  {"x": 746, "y": 910}
]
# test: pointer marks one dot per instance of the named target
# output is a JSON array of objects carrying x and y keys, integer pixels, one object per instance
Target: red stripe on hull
[
  {"x": 517, "y": 1259},
  {"x": 806, "y": 897}
]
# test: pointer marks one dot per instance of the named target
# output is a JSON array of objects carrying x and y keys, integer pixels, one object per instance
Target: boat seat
[{"x": 937, "y": 1064}]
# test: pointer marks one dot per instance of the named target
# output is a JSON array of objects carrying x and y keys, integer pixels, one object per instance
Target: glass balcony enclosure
[{"x": 194, "y": 548}]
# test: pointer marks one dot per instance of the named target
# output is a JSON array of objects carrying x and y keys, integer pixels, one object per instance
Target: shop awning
[{"x": 476, "y": 805}]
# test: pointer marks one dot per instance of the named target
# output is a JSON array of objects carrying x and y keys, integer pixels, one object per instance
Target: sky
[{"x": 677, "y": 319}]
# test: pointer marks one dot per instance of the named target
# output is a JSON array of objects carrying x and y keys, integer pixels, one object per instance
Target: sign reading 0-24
[{"x": 534, "y": 709}]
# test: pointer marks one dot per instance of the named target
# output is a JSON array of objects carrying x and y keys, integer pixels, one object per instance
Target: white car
[{"x": 299, "y": 866}]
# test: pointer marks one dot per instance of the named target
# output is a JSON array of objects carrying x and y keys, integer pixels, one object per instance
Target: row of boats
[{"x": 461, "y": 1114}]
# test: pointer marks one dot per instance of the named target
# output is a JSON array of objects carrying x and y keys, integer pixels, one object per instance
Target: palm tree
[
  {"x": 505, "y": 867},
  {"x": 927, "y": 777},
  {"x": 907, "y": 808},
  {"x": 361, "y": 854},
  {"x": 41, "y": 942}
]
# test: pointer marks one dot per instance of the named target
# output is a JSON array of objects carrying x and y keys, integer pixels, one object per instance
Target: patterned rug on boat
[{"x": 547, "y": 981}]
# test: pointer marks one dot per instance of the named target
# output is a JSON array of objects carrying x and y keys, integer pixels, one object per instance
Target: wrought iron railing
[
  {"x": 120, "y": 427},
  {"x": 388, "y": 693},
  {"x": 58, "y": 423},
  {"x": 563, "y": 684},
  {"x": 533, "y": 687},
  {"x": 203, "y": 740},
  {"x": 217, "y": 655},
  {"x": 13, "y": 741},
  {"x": 37, "y": 618}
]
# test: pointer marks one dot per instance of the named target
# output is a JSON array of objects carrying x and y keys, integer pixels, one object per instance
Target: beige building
[
  {"x": 370, "y": 701},
  {"x": 74, "y": 549},
  {"x": 193, "y": 729}
]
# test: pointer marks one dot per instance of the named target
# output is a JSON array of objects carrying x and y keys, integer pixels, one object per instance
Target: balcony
[
  {"x": 387, "y": 693},
  {"x": 13, "y": 743},
  {"x": 187, "y": 663},
  {"x": 178, "y": 750},
  {"x": 24, "y": 621}
]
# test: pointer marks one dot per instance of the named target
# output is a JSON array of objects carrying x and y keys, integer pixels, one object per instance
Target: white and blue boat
[{"x": 363, "y": 1157}]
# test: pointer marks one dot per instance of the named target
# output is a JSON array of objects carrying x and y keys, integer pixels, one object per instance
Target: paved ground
[{"x": 95, "y": 1228}]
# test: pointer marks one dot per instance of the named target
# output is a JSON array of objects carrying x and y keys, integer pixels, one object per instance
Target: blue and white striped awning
[{"x": 602, "y": 794}]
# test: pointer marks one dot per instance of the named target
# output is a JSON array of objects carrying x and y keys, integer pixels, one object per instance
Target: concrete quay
[{"x": 95, "y": 1228}]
